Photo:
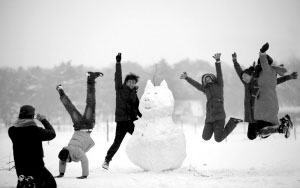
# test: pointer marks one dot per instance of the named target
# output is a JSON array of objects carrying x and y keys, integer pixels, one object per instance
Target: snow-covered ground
[{"x": 236, "y": 162}]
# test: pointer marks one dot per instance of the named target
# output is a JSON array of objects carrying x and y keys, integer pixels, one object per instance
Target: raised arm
[
  {"x": 264, "y": 62},
  {"x": 217, "y": 57},
  {"x": 285, "y": 78},
  {"x": 194, "y": 83},
  {"x": 48, "y": 133},
  {"x": 237, "y": 66},
  {"x": 118, "y": 73}
]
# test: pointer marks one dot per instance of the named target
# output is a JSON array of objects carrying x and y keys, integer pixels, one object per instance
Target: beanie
[
  {"x": 27, "y": 112},
  {"x": 63, "y": 154}
]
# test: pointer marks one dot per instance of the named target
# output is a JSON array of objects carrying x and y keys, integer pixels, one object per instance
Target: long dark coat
[{"x": 214, "y": 94}]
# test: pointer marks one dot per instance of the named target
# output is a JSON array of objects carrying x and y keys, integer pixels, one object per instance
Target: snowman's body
[{"x": 157, "y": 142}]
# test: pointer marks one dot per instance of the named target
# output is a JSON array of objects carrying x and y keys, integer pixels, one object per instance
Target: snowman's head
[{"x": 157, "y": 101}]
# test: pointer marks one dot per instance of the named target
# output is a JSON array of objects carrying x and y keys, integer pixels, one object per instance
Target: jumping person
[
  {"x": 266, "y": 103},
  {"x": 212, "y": 86},
  {"x": 126, "y": 113},
  {"x": 28, "y": 151},
  {"x": 81, "y": 141},
  {"x": 247, "y": 77}
]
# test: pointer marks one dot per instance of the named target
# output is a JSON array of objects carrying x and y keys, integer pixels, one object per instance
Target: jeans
[
  {"x": 87, "y": 121},
  {"x": 122, "y": 128},
  {"x": 217, "y": 127}
]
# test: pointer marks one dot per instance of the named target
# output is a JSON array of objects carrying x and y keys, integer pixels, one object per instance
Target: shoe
[
  {"x": 285, "y": 126},
  {"x": 105, "y": 164},
  {"x": 60, "y": 90},
  {"x": 288, "y": 118},
  {"x": 58, "y": 87},
  {"x": 236, "y": 120},
  {"x": 288, "y": 125},
  {"x": 94, "y": 75}
]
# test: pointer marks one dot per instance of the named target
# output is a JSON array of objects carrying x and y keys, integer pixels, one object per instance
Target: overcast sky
[{"x": 47, "y": 32}]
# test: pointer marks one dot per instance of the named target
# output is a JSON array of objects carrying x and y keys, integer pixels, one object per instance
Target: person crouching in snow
[
  {"x": 212, "y": 86},
  {"x": 266, "y": 103},
  {"x": 81, "y": 141},
  {"x": 127, "y": 109},
  {"x": 28, "y": 151},
  {"x": 249, "y": 80}
]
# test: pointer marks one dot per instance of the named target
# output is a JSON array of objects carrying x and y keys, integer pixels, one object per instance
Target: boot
[
  {"x": 92, "y": 76},
  {"x": 60, "y": 90},
  {"x": 105, "y": 164},
  {"x": 235, "y": 120},
  {"x": 285, "y": 126}
]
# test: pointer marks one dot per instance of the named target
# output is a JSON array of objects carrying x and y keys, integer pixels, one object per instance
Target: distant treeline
[{"x": 36, "y": 86}]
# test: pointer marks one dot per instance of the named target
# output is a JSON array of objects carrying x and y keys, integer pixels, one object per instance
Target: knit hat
[
  {"x": 211, "y": 76},
  {"x": 27, "y": 112},
  {"x": 63, "y": 154}
]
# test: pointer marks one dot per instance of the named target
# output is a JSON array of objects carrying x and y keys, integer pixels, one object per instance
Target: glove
[
  {"x": 118, "y": 57},
  {"x": 264, "y": 48},
  {"x": 217, "y": 57},
  {"x": 139, "y": 114},
  {"x": 82, "y": 177},
  {"x": 60, "y": 175}
]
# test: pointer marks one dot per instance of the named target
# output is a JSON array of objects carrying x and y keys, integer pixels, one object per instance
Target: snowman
[{"x": 157, "y": 143}]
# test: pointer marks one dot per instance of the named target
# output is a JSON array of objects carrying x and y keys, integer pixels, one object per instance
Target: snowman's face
[{"x": 157, "y": 100}]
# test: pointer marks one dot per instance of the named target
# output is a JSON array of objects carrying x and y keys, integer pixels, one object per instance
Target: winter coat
[
  {"x": 80, "y": 143},
  {"x": 127, "y": 101},
  {"x": 266, "y": 104},
  {"x": 214, "y": 94},
  {"x": 27, "y": 140},
  {"x": 250, "y": 90}
]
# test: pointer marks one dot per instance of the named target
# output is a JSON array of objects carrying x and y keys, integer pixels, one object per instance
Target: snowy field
[{"x": 236, "y": 162}]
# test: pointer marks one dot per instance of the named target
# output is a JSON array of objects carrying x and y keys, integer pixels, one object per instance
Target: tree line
[{"x": 36, "y": 86}]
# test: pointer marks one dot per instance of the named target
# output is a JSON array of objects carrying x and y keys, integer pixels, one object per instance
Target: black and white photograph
[{"x": 149, "y": 93}]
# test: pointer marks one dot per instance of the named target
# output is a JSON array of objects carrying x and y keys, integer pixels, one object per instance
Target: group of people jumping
[{"x": 260, "y": 111}]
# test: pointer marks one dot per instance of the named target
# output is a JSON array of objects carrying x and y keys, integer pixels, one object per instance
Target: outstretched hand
[
  {"x": 294, "y": 75},
  {"x": 183, "y": 75},
  {"x": 234, "y": 56},
  {"x": 118, "y": 57},
  {"x": 217, "y": 56}
]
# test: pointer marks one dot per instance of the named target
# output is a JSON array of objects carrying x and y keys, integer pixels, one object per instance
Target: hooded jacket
[
  {"x": 80, "y": 143},
  {"x": 249, "y": 97},
  {"x": 266, "y": 104},
  {"x": 27, "y": 140},
  {"x": 214, "y": 94},
  {"x": 127, "y": 101}
]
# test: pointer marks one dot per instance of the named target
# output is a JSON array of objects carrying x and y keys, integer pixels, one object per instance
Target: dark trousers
[
  {"x": 217, "y": 127},
  {"x": 122, "y": 128},
  {"x": 255, "y": 128},
  {"x": 87, "y": 121},
  {"x": 42, "y": 178}
]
